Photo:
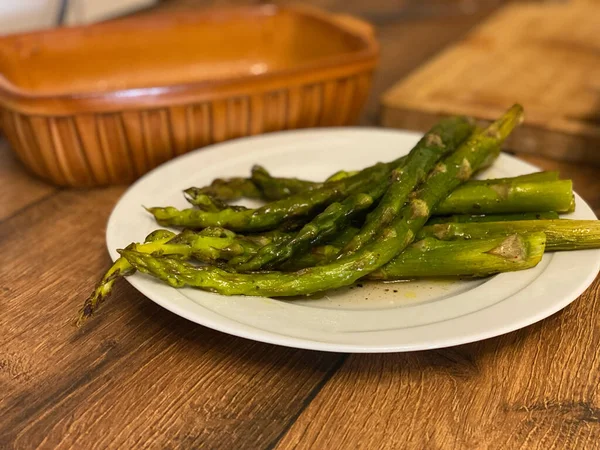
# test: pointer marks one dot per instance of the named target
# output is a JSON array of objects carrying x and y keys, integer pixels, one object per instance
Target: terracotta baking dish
[{"x": 103, "y": 104}]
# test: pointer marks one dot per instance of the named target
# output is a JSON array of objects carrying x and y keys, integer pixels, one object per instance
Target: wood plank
[
  {"x": 536, "y": 388},
  {"x": 19, "y": 188},
  {"x": 544, "y": 56},
  {"x": 408, "y": 44},
  {"x": 137, "y": 375}
]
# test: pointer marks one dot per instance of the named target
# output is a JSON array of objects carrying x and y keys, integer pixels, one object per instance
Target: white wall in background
[
  {"x": 19, "y": 15},
  {"x": 27, "y": 15}
]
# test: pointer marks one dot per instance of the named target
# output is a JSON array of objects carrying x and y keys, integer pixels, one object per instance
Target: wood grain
[
  {"x": 20, "y": 188},
  {"x": 542, "y": 56},
  {"x": 536, "y": 388},
  {"x": 137, "y": 375}
]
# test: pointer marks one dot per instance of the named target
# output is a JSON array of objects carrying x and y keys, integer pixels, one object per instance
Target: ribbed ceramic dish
[{"x": 104, "y": 104}]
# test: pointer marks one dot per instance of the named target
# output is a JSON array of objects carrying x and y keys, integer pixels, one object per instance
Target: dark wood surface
[{"x": 140, "y": 377}]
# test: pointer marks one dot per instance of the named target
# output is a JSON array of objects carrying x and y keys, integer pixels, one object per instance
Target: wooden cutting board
[{"x": 544, "y": 56}]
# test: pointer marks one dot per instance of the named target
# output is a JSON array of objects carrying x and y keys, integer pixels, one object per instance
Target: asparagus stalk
[
  {"x": 341, "y": 174},
  {"x": 478, "y": 150},
  {"x": 441, "y": 140},
  {"x": 535, "y": 177},
  {"x": 275, "y": 213},
  {"x": 280, "y": 187},
  {"x": 120, "y": 268},
  {"x": 273, "y": 188},
  {"x": 431, "y": 257},
  {"x": 467, "y": 218},
  {"x": 323, "y": 226},
  {"x": 226, "y": 189},
  {"x": 533, "y": 193},
  {"x": 561, "y": 234},
  {"x": 222, "y": 245},
  {"x": 510, "y": 197},
  {"x": 209, "y": 203}
]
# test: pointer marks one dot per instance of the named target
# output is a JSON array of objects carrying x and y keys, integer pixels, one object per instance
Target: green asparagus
[
  {"x": 323, "y": 226},
  {"x": 467, "y": 218},
  {"x": 226, "y": 189},
  {"x": 120, "y": 268},
  {"x": 431, "y": 257},
  {"x": 272, "y": 214},
  {"x": 561, "y": 234},
  {"x": 510, "y": 197},
  {"x": 341, "y": 174},
  {"x": 273, "y": 188},
  {"x": 441, "y": 140}
]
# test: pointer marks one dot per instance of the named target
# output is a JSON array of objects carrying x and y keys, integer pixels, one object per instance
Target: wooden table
[{"x": 140, "y": 377}]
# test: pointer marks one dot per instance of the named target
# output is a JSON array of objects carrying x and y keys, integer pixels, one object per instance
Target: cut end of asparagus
[
  {"x": 512, "y": 248},
  {"x": 418, "y": 208},
  {"x": 465, "y": 171},
  {"x": 501, "y": 189},
  {"x": 434, "y": 139}
]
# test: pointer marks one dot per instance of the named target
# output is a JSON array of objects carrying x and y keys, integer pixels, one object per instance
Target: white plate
[{"x": 376, "y": 317}]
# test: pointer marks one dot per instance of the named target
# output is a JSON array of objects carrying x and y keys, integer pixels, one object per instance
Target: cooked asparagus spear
[
  {"x": 326, "y": 224},
  {"x": 467, "y": 218},
  {"x": 426, "y": 258},
  {"x": 209, "y": 203},
  {"x": 221, "y": 245},
  {"x": 533, "y": 193},
  {"x": 341, "y": 174},
  {"x": 273, "y": 188},
  {"x": 431, "y": 257},
  {"x": 235, "y": 188},
  {"x": 442, "y": 139},
  {"x": 120, "y": 268},
  {"x": 226, "y": 189},
  {"x": 451, "y": 172},
  {"x": 272, "y": 214},
  {"x": 534, "y": 177},
  {"x": 562, "y": 234},
  {"x": 510, "y": 197}
]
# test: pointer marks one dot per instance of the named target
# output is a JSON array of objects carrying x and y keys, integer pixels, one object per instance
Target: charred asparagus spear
[
  {"x": 120, "y": 268},
  {"x": 562, "y": 234},
  {"x": 272, "y": 214},
  {"x": 226, "y": 189},
  {"x": 425, "y": 258},
  {"x": 273, "y": 188},
  {"x": 478, "y": 150},
  {"x": 323, "y": 226}
]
